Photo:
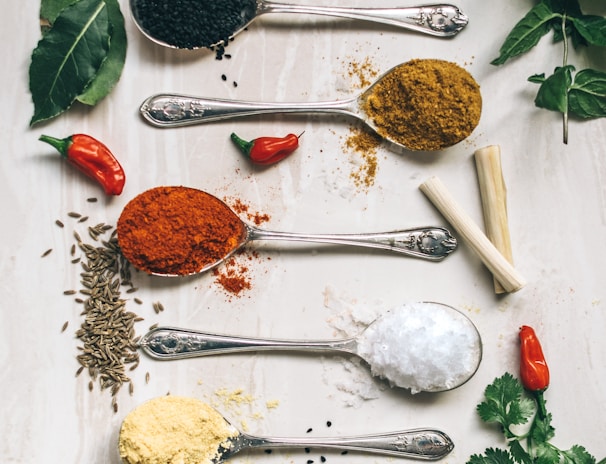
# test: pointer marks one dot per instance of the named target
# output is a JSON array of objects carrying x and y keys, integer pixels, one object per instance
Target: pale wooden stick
[
  {"x": 494, "y": 202},
  {"x": 502, "y": 269}
]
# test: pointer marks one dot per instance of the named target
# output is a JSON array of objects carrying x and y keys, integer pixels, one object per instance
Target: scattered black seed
[
  {"x": 47, "y": 252},
  {"x": 268, "y": 451},
  {"x": 194, "y": 24},
  {"x": 223, "y": 77},
  {"x": 235, "y": 84},
  {"x": 344, "y": 452},
  {"x": 227, "y": 56},
  {"x": 59, "y": 223},
  {"x": 309, "y": 430},
  {"x": 91, "y": 200},
  {"x": 308, "y": 450},
  {"x": 322, "y": 459},
  {"x": 310, "y": 461},
  {"x": 328, "y": 423}
]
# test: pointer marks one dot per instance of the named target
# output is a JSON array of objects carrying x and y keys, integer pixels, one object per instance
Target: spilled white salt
[{"x": 422, "y": 347}]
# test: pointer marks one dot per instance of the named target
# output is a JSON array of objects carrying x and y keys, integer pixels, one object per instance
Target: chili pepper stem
[
  {"x": 61, "y": 145},
  {"x": 540, "y": 399},
  {"x": 242, "y": 144}
]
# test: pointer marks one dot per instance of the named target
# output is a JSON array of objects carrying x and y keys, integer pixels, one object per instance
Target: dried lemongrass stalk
[
  {"x": 494, "y": 202},
  {"x": 501, "y": 269}
]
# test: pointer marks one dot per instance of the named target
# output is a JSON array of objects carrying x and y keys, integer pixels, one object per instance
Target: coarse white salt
[{"x": 422, "y": 347}]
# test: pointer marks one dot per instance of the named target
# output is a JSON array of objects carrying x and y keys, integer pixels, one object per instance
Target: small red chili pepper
[
  {"x": 533, "y": 367},
  {"x": 92, "y": 158},
  {"x": 267, "y": 150}
]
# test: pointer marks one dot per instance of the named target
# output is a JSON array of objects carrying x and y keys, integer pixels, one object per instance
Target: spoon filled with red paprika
[
  {"x": 177, "y": 231},
  {"x": 420, "y": 105}
]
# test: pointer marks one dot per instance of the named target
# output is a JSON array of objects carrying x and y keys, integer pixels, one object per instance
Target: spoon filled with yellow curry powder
[
  {"x": 174, "y": 429},
  {"x": 177, "y": 231},
  {"x": 420, "y": 105}
]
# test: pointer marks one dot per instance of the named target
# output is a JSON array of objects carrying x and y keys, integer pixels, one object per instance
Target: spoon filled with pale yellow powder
[{"x": 174, "y": 429}]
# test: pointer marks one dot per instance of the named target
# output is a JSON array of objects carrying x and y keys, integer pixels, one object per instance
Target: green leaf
[
  {"x": 553, "y": 93},
  {"x": 68, "y": 57},
  {"x": 578, "y": 455},
  {"x": 50, "y": 9},
  {"x": 591, "y": 28},
  {"x": 504, "y": 403},
  {"x": 112, "y": 67},
  {"x": 526, "y": 33},
  {"x": 542, "y": 431},
  {"x": 492, "y": 456},
  {"x": 518, "y": 453},
  {"x": 587, "y": 97}
]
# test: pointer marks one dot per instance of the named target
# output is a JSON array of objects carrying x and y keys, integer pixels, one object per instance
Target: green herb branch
[{"x": 579, "y": 93}]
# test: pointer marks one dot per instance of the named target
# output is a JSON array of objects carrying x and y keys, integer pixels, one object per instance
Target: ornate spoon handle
[
  {"x": 441, "y": 20},
  {"x": 431, "y": 243},
  {"x": 426, "y": 444}
]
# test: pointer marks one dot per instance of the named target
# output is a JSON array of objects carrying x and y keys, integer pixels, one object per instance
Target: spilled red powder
[{"x": 234, "y": 274}]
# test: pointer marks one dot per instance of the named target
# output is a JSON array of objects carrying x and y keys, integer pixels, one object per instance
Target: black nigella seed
[
  {"x": 309, "y": 430},
  {"x": 268, "y": 451},
  {"x": 344, "y": 452},
  {"x": 223, "y": 77},
  {"x": 328, "y": 423},
  {"x": 308, "y": 450},
  {"x": 322, "y": 459}
]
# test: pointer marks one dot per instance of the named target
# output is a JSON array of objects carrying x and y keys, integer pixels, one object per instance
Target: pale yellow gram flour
[{"x": 173, "y": 430}]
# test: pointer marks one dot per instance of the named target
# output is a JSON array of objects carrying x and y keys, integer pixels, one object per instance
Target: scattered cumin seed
[
  {"x": 147, "y": 377},
  {"x": 59, "y": 223},
  {"x": 90, "y": 385},
  {"x": 132, "y": 290},
  {"x": 64, "y": 327},
  {"x": 79, "y": 371},
  {"x": 153, "y": 326},
  {"x": 131, "y": 388},
  {"x": 46, "y": 253},
  {"x": 75, "y": 215},
  {"x": 137, "y": 300},
  {"x": 83, "y": 219},
  {"x": 69, "y": 292},
  {"x": 92, "y": 200}
]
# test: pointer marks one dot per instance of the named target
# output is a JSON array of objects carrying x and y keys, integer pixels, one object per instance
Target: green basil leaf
[
  {"x": 112, "y": 67},
  {"x": 526, "y": 33},
  {"x": 68, "y": 57},
  {"x": 591, "y": 28},
  {"x": 553, "y": 93},
  {"x": 537, "y": 78},
  {"x": 587, "y": 96}
]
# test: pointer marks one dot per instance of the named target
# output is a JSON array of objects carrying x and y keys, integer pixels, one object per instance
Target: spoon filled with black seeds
[{"x": 192, "y": 24}]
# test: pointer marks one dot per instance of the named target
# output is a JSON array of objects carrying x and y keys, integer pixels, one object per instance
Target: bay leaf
[
  {"x": 111, "y": 69},
  {"x": 68, "y": 57}
]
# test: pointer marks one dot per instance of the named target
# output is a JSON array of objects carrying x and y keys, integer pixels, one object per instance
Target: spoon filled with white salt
[
  {"x": 423, "y": 347},
  {"x": 167, "y": 427},
  {"x": 203, "y": 24}
]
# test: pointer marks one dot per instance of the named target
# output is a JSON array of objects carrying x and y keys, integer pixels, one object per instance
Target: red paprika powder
[{"x": 177, "y": 230}]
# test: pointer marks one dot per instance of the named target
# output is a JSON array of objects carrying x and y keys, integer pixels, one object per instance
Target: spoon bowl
[
  {"x": 176, "y": 26},
  {"x": 427, "y": 113},
  {"x": 172, "y": 435},
  {"x": 176, "y": 231},
  {"x": 427, "y": 346}
]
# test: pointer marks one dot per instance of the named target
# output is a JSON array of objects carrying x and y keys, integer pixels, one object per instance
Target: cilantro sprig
[
  {"x": 568, "y": 91},
  {"x": 526, "y": 426}
]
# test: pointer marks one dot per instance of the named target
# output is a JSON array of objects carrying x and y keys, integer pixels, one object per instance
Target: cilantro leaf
[
  {"x": 542, "y": 431},
  {"x": 504, "y": 403},
  {"x": 492, "y": 456},
  {"x": 519, "y": 454},
  {"x": 527, "y": 32},
  {"x": 577, "y": 455}
]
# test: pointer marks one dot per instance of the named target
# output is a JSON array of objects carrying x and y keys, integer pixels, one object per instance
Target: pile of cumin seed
[{"x": 107, "y": 333}]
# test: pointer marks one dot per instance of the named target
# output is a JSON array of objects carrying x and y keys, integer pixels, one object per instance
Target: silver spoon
[
  {"x": 430, "y": 243},
  {"x": 439, "y": 348},
  {"x": 440, "y": 20},
  {"x": 224, "y": 440},
  {"x": 174, "y": 110}
]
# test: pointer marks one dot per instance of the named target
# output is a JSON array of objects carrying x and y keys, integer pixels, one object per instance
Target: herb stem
[{"x": 564, "y": 63}]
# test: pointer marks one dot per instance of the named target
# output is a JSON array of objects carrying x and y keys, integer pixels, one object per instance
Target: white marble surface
[{"x": 557, "y": 207}]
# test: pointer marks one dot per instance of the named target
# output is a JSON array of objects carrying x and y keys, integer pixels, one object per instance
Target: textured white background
[{"x": 557, "y": 206}]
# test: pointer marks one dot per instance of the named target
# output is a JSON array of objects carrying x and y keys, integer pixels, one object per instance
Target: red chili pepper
[
  {"x": 267, "y": 150},
  {"x": 92, "y": 158},
  {"x": 533, "y": 367}
]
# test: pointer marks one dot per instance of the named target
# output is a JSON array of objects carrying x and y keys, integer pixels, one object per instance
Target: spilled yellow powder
[
  {"x": 364, "y": 144},
  {"x": 173, "y": 430},
  {"x": 272, "y": 404}
]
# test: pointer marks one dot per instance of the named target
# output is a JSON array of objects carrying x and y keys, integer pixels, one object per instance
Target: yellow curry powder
[
  {"x": 425, "y": 104},
  {"x": 173, "y": 430}
]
